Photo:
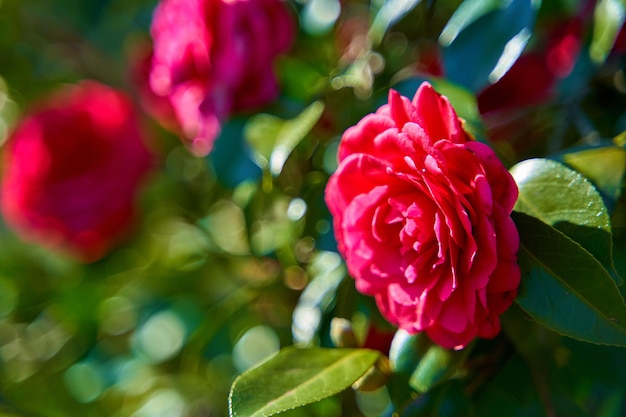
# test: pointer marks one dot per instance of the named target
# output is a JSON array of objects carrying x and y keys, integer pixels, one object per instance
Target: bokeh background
[{"x": 216, "y": 274}]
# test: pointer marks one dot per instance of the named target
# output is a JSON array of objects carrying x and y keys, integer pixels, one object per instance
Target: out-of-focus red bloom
[
  {"x": 563, "y": 47},
  {"x": 72, "y": 169},
  {"x": 378, "y": 339},
  {"x": 215, "y": 57},
  {"x": 528, "y": 82},
  {"x": 620, "y": 42},
  {"x": 509, "y": 106},
  {"x": 158, "y": 107},
  {"x": 429, "y": 60},
  {"x": 422, "y": 216},
  {"x": 533, "y": 77}
]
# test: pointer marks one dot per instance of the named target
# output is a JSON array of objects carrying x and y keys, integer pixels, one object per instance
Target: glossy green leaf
[
  {"x": 604, "y": 166},
  {"x": 563, "y": 198},
  {"x": 296, "y": 377},
  {"x": 274, "y": 139},
  {"x": 466, "y": 14},
  {"x": 565, "y": 288},
  {"x": 483, "y": 39},
  {"x": 389, "y": 13},
  {"x": 608, "y": 18}
]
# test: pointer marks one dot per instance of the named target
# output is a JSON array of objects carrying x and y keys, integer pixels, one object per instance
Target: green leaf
[
  {"x": 620, "y": 140},
  {"x": 483, "y": 39},
  {"x": 454, "y": 401},
  {"x": 274, "y": 139},
  {"x": 565, "y": 288},
  {"x": 466, "y": 14},
  {"x": 296, "y": 377},
  {"x": 608, "y": 18},
  {"x": 511, "y": 392},
  {"x": 262, "y": 132},
  {"x": 299, "y": 79},
  {"x": 613, "y": 405},
  {"x": 604, "y": 166},
  {"x": 563, "y": 198},
  {"x": 390, "y": 12},
  {"x": 447, "y": 400},
  {"x": 327, "y": 271}
]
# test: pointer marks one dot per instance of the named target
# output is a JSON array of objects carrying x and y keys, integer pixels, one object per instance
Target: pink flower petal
[{"x": 422, "y": 217}]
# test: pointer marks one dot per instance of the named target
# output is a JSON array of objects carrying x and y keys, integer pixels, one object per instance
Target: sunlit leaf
[
  {"x": 262, "y": 132},
  {"x": 296, "y": 377},
  {"x": 565, "y": 288},
  {"x": 563, "y": 198},
  {"x": 292, "y": 133},
  {"x": 608, "y": 18},
  {"x": 274, "y": 139},
  {"x": 620, "y": 140},
  {"x": 327, "y": 271},
  {"x": 319, "y": 16},
  {"x": 390, "y": 12},
  {"x": 483, "y": 39},
  {"x": 604, "y": 166},
  {"x": 467, "y": 13}
]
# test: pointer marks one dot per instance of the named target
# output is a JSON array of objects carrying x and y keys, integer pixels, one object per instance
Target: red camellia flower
[
  {"x": 214, "y": 57},
  {"x": 422, "y": 216},
  {"x": 72, "y": 168}
]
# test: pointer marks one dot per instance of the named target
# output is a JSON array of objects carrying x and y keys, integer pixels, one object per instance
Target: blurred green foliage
[{"x": 216, "y": 276}]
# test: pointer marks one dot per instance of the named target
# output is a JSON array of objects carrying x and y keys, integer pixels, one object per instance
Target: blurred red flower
[
  {"x": 72, "y": 168},
  {"x": 510, "y": 106},
  {"x": 378, "y": 339},
  {"x": 158, "y": 107},
  {"x": 533, "y": 77},
  {"x": 215, "y": 57},
  {"x": 422, "y": 216}
]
